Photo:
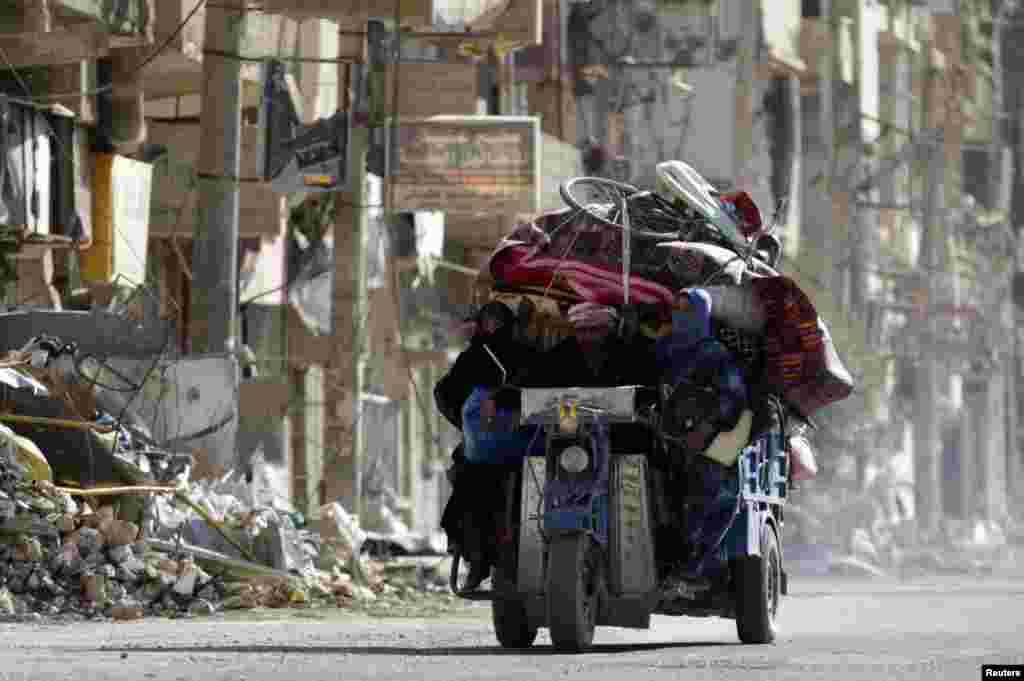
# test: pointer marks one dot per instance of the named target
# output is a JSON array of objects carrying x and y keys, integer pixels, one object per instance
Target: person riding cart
[{"x": 629, "y": 404}]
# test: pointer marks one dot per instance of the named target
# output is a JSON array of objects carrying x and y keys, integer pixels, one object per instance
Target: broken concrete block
[
  {"x": 66, "y": 524},
  {"x": 7, "y": 507},
  {"x": 187, "y": 580},
  {"x": 126, "y": 575},
  {"x": 125, "y": 613},
  {"x": 50, "y": 586},
  {"x": 68, "y": 561},
  {"x": 168, "y": 566},
  {"x": 120, "y": 532},
  {"x": 28, "y": 550},
  {"x": 116, "y": 592},
  {"x": 89, "y": 540},
  {"x": 33, "y": 583},
  {"x": 16, "y": 583},
  {"x": 152, "y": 591},
  {"x": 94, "y": 560},
  {"x": 94, "y": 588},
  {"x": 135, "y": 565},
  {"x": 120, "y": 554}
]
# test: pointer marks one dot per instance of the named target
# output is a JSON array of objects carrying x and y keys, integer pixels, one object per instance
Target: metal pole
[
  {"x": 215, "y": 246},
  {"x": 927, "y": 444},
  {"x": 996, "y": 162}
]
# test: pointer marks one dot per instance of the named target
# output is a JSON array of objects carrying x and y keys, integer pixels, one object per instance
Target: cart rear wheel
[
  {"x": 758, "y": 590},
  {"x": 511, "y": 625}
]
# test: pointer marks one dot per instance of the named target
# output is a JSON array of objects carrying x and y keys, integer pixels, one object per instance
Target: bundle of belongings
[{"x": 735, "y": 346}]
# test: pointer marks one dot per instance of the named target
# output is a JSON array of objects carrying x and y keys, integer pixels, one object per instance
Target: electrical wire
[
  {"x": 65, "y": 155},
  {"x": 389, "y": 200},
  {"x": 79, "y": 358},
  {"x": 106, "y": 88},
  {"x": 223, "y": 54}
]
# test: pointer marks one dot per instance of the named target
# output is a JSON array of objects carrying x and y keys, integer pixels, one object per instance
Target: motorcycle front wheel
[{"x": 572, "y": 591}]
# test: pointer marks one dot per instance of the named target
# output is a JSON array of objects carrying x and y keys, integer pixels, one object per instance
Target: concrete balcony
[
  {"x": 464, "y": 25},
  {"x": 178, "y": 70},
  {"x": 415, "y": 13},
  {"x": 56, "y": 32}
]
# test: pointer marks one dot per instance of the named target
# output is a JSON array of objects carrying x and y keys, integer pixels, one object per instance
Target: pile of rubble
[
  {"x": 68, "y": 556},
  {"x": 98, "y": 519},
  {"x": 59, "y": 557},
  {"x": 833, "y": 532}
]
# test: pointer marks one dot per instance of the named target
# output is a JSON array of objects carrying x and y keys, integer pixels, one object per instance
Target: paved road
[{"x": 937, "y": 629}]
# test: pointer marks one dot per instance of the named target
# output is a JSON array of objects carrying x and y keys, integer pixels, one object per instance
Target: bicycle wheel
[
  {"x": 604, "y": 201},
  {"x": 592, "y": 194}
]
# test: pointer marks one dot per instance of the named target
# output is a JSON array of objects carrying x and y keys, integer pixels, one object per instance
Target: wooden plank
[
  {"x": 63, "y": 45},
  {"x": 412, "y": 12}
]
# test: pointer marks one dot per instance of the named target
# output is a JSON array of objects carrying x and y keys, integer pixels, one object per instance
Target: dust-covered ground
[{"x": 929, "y": 628}]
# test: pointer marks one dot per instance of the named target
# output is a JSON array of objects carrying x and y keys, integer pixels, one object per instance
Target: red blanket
[
  {"x": 801, "y": 362},
  {"x": 571, "y": 254},
  {"x": 520, "y": 265}
]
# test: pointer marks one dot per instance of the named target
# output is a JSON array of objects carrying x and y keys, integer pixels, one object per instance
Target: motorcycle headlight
[{"x": 574, "y": 459}]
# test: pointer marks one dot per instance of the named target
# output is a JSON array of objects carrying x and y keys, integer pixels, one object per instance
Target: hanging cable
[{"x": 97, "y": 91}]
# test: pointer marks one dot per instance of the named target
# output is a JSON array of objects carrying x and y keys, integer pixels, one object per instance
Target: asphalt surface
[{"x": 928, "y": 629}]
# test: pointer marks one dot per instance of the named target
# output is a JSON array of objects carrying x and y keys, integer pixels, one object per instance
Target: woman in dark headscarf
[{"x": 493, "y": 358}]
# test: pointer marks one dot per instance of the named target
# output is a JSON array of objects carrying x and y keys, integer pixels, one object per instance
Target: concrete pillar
[
  {"x": 215, "y": 243},
  {"x": 1011, "y": 374},
  {"x": 406, "y": 425},
  {"x": 349, "y": 354},
  {"x": 992, "y": 448},
  {"x": 968, "y": 455},
  {"x": 313, "y": 438}
]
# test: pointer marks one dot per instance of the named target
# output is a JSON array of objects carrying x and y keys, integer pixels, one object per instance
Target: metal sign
[
  {"x": 468, "y": 165},
  {"x": 296, "y": 157}
]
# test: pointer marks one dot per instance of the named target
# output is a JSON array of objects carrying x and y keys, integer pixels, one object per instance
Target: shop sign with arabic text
[{"x": 468, "y": 165}]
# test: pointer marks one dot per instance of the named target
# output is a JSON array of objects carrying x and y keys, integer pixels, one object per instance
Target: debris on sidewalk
[
  {"x": 837, "y": 532},
  {"x": 71, "y": 554},
  {"x": 98, "y": 520}
]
